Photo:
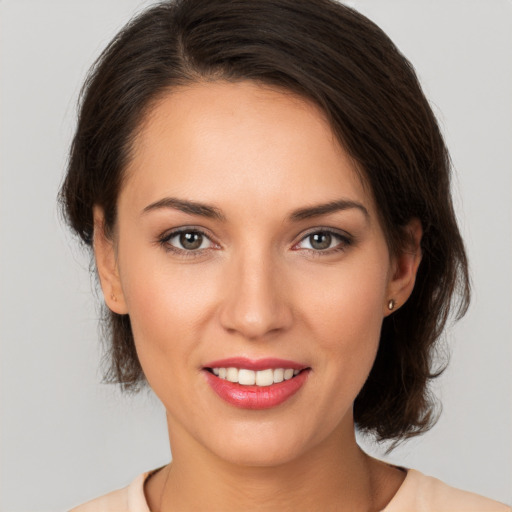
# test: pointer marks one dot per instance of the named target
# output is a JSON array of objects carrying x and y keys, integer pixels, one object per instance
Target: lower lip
[{"x": 256, "y": 397}]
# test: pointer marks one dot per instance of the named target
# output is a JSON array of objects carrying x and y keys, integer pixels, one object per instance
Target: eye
[
  {"x": 187, "y": 240},
  {"x": 324, "y": 241}
]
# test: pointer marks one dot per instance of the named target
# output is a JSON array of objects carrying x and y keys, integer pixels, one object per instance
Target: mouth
[
  {"x": 261, "y": 378},
  {"x": 261, "y": 384}
]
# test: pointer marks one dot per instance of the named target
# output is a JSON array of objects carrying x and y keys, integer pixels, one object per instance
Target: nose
[{"x": 255, "y": 302}]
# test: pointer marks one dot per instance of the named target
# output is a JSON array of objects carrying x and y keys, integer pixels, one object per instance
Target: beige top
[{"x": 418, "y": 493}]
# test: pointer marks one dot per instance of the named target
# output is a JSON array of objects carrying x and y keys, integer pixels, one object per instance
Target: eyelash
[
  {"x": 164, "y": 241},
  {"x": 344, "y": 241}
]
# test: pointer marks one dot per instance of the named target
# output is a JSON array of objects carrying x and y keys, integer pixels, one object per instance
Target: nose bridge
[{"x": 255, "y": 302}]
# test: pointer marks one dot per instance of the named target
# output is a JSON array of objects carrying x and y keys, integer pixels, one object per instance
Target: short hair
[{"x": 336, "y": 58}]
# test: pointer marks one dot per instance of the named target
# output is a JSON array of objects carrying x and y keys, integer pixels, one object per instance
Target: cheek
[
  {"x": 167, "y": 306},
  {"x": 349, "y": 300},
  {"x": 346, "y": 311},
  {"x": 172, "y": 312}
]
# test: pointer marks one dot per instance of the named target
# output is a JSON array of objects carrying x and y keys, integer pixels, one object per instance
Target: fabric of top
[{"x": 418, "y": 493}]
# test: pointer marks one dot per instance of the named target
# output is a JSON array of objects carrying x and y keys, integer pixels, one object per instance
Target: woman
[{"x": 266, "y": 192}]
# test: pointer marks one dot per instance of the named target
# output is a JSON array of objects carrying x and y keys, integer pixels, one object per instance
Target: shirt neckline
[{"x": 137, "y": 498}]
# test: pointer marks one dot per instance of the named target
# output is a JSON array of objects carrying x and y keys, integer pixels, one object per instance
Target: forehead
[{"x": 219, "y": 141}]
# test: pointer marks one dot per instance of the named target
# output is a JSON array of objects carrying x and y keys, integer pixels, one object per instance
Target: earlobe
[
  {"x": 405, "y": 268},
  {"x": 106, "y": 263}
]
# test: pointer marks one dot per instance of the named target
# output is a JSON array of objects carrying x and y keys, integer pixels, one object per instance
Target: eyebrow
[
  {"x": 205, "y": 210},
  {"x": 186, "y": 206},
  {"x": 326, "y": 208}
]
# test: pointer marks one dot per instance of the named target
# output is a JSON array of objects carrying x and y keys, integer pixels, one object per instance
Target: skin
[{"x": 257, "y": 288}]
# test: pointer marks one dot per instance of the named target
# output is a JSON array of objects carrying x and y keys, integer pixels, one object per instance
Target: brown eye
[
  {"x": 187, "y": 240},
  {"x": 320, "y": 241},
  {"x": 325, "y": 241},
  {"x": 191, "y": 241}
]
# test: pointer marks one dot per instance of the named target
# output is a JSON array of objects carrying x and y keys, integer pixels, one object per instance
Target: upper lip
[{"x": 255, "y": 364}]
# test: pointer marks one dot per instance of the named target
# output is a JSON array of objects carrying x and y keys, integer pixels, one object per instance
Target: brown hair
[{"x": 345, "y": 64}]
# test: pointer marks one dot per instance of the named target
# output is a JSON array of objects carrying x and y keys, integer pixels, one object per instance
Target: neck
[{"x": 335, "y": 475}]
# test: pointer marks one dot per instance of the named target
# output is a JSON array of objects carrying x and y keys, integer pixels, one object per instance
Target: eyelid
[
  {"x": 166, "y": 236},
  {"x": 345, "y": 238}
]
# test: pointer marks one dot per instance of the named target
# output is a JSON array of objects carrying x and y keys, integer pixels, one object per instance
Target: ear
[
  {"x": 106, "y": 263},
  {"x": 405, "y": 267}
]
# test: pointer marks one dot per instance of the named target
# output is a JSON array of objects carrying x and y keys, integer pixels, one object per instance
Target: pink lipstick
[{"x": 255, "y": 384}]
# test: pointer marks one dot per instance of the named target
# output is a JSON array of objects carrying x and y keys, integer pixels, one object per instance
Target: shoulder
[
  {"x": 127, "y": 499},
  {"x": 421, "y": 493}
]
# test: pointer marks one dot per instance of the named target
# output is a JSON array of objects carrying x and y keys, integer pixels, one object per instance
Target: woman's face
[{"x": 246, "y": 240}]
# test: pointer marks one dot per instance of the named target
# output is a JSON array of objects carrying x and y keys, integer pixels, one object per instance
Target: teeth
[
  {"x": 259, "y": 378},
  {"x": 232, "y": 374},
  {"x": 278, "y": 375},
  {"x": 246, "y": 377},
  {"x": 265, "y": 378}
]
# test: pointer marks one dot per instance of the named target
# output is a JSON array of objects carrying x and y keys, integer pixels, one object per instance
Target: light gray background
[{"x": 66, "y": 438}]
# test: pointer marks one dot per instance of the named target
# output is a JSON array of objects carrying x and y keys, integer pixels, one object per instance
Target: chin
[{"x": 266, "y": 447}]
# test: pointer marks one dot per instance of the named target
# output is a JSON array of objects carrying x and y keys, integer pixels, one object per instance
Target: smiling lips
[{"x": 258, "y": 384}]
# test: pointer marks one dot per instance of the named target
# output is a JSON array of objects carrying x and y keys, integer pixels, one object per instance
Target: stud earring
[
  {"x": 391, "y": 304},
  {"x": 113, "y": 297}
]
